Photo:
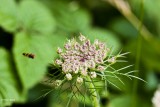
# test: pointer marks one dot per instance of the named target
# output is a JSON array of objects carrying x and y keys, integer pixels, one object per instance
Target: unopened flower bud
[
  {"x": 100, "y": 68},
  {"x": 96, "y": 42},
  {"x": 82, "y": 38},
  {"x": 156, "y": 98},
  {"x": 93, "y": 74},
  {"x": 79, "y": 80},
  {"x": 59, "y": 50},
  {"x": 68, "y": 76},
  {"x": 58, "y": 62},
  {"x": 76, "y": 46},
  {"x": 101, "y": 45},
  {"x": 58, "y": 83},
  {"x": 83, "y": 71},
  {"x": 68, "y": 46},
  {"x": 112, "y": 60}
]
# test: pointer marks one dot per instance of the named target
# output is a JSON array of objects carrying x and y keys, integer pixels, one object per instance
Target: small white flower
[
  {"x": 82, "y": 38},
  {"x": 100, "y": 68},
  {"x": 59, "y": 50},
  {"x": 83, "y": 71},
  {"x": 58, "y": 83},
  {"x": 93, "y": 74},
  {"x": 96, "y": 42},
  {"x": 68, "y": 46},
  {"x": 76, "y": 46},
  {"x": 79, "y": 80},
  {"x": 112, "y": 60},
  {"x": 156, "y": 99},
  {"x": 68, "y": 76},
  {"x": 75, "y": 69},
  {"x": 58, "y": 62},
  {"x": 91, "y": 64}
]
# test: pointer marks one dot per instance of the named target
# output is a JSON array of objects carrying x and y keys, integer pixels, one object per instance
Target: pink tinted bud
[
  {"x": 68, "y": 46},
  {"x": 101, "y": 45},
  {"x": 76, "y": 46},
  {"x": 59, "y": 50},
  {"x": 100, "y": 68},
  {"x": 58, "y": 62},
  {"x": 83, "y": 71},
  {"x": 87, "y": 43},
  {"x": 96, "y": 42},
  {"x": 82, "y": 38},
  {"x": 112, "y": 60}
]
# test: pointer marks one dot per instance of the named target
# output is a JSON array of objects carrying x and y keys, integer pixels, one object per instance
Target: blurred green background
[{"x": 39, "y": 26}]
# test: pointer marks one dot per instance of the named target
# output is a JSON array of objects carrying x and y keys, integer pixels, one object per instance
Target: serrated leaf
[
  {"x": 8, "y": 15},
  {"x": 32, "y": 70},
  {"x": 8, "y": 84},
  {"x": 35, "y": 17}
]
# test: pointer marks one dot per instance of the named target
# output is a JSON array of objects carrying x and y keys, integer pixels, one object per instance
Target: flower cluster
[{"x": 81, "y": 57}]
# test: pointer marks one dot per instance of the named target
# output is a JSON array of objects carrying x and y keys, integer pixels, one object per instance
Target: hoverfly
[{"x": 29, "y": 55}]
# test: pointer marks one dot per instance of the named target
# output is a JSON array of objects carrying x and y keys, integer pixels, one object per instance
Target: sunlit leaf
[
  {"x": 70, "y": 16},
  {"x": 9, "y": 92},
  {"x": 8, "y": 15},
  {"x": 32, "y": 70},
  {"x": 35, "y": 17}
]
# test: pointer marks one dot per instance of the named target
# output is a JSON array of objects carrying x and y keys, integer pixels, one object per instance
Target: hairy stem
[{"x": 94, "y": 94}]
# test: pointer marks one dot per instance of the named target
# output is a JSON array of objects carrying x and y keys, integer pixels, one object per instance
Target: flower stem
[{"x": 94, "y": 96}]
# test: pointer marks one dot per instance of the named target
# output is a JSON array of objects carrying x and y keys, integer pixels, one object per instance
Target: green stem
[
  {"x": 94, "y": 96},
  {"x": 138, "y": 55}
]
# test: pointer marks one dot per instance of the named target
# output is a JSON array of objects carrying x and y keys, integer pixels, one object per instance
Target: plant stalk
[{"x": 94, "y": 94}]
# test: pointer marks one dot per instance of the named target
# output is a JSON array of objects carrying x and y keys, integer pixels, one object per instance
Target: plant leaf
[
  {"x": 9, "y": 91},
  {"x": 8, "y": 15},
  {"x": 35, "y": 17},
  {"x": 32, "y": 70}
]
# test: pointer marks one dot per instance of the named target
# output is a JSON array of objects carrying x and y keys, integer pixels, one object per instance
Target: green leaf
[
  {"x": 35, "y": 17},
  {"x": 57, "y": 40},
  {"x": 151, "y": 13},
  {"x": 121, "y": 101},
  {"x": 8, "y": 15},
  {"x": 31, "y": 70},
  {"x": 150, "y": 53},
  {"x": 120, "y": 25},
  {"x": 127, "y": 101},
  {"x": 8, "y": 84},
  {"x": 69, "y": 16},
  {"x": 105, "y": 36}
]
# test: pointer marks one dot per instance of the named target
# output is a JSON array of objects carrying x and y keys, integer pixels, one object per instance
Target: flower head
[{"x": 80, "y": 57}]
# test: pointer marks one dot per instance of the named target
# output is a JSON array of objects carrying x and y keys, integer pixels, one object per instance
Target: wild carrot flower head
[{"x": 81, "y": 57}]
